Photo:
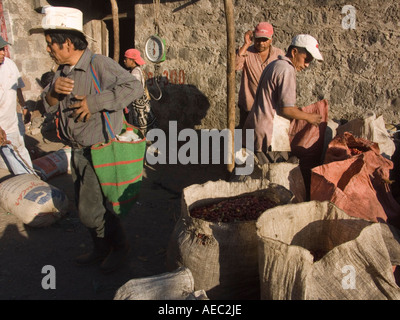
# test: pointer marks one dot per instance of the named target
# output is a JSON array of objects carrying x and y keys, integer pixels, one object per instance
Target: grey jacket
[{"x": 118, "y": 90}]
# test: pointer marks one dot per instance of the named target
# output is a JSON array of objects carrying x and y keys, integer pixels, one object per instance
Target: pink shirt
[
  {"x": 277, "y": 89},
  {"x": 252, "y": 67}
]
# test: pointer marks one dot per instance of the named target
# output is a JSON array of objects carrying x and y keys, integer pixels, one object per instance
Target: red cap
[
  {"x": 134, "y": 54},
  {"x": 264, "y": 30}
]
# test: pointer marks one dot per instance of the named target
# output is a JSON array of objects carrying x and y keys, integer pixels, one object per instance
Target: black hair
[
  {"x": 291, "y": 47},
  {"x": 46, "y": 78},
  {"x": 60, "y": 36}
]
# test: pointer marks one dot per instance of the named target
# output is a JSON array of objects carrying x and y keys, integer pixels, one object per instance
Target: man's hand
[
  {"x": 27, "y": 115},
  {"x": 62, "y": 85},
  {"x": 314, "y": 119},
  {"x": 80, "y": 109},
  {"x": 296, "y": 113},
  {"x": 248, "y": 37},
  {"x": 248, "y": 40},
  {"x": 3, "y": 138}
]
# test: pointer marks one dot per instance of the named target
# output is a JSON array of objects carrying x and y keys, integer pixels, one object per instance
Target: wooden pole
[
  {"x": 230, "y": 76},
  {"x": 115, "y": 17}
]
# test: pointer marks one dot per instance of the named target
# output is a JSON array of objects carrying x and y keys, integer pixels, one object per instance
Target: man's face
[
  {"x": 262, "y": 44},
  {"x": 2, "y": 54},
  {"x": 60, "y": 56},
  {"x": 301, "y": 60},
  {"x": 129, "y": 63}
]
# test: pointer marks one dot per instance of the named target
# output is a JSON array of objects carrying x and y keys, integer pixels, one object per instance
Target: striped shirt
[{"x": 118, "y": 90}]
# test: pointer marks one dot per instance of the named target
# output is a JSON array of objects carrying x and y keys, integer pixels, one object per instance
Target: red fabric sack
[
  {"x": 355, "y": 177},
  {"x": 307, "y": 140}
]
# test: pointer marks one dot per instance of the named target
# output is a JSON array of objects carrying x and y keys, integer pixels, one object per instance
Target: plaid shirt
[{"x": 118, "y": 90}]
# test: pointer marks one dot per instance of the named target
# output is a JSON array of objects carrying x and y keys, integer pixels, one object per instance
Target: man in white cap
[
  {"x": 72, "y": 95},
  {"x": 14, "y": 155},
  {"x": 275, "y": 102},
  {"x": 252, "y": 59}
]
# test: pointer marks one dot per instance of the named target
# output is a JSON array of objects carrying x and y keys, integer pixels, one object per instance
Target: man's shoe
[
  {"x": 90, "y": 258},
  {"x": 115, "y": 258},
  {"x": 100, "y": 251}
]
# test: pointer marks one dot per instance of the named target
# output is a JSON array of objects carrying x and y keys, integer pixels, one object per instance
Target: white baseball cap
[
  {"x": 309, "y": 43},
  {"x": 60, "y": 18}
]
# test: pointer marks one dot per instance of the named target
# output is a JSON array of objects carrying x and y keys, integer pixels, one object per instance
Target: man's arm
[
  {"x": 21, "y": 102},
  {"x": 296, "y": 113},
  {"x": 241, "y": 53},
  {"x": 118, "y": 87},
  {"x": 3, "y": 138},
  {"x": 61, "y": 86}
]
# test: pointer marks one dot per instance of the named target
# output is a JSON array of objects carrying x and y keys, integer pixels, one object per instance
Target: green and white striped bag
[{"x": 119, "y": 164}]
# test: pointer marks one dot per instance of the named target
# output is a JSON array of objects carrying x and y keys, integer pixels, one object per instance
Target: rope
[
  {"x": 156, "y": 75},
  {"x": 25, "y": 163},
  {"x": 156, "y": 8},
  {"x": 97, "y": 87}
]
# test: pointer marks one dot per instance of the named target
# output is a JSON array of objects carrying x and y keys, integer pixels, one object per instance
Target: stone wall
[
  {"x": 28, "y": 51},
  {"x": 360, "y": 71}
]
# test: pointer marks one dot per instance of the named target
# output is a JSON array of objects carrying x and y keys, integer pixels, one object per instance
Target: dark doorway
[{"x": 126, "y": 35}]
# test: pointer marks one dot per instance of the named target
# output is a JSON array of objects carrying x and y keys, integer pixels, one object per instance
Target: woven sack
[
  {"x": 221, "y": 256},
  {"x": 53, "y": 164},
  {"x": 356, "y": 257},
  {"x": 119, "y": 168},
  {"x": 357, "y": 184},
  {"x": 175, "y": 285},
  {"x": 307, "y": 140},
  {"x": 35, "y": 202}
]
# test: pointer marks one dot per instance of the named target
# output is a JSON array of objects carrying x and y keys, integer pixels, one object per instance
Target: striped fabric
[
  {"x": 119, "y": 164},
  {"x": 119, "y": 167}
]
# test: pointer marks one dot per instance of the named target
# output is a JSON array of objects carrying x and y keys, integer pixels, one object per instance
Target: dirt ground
[{"x": 25, "y": 250}]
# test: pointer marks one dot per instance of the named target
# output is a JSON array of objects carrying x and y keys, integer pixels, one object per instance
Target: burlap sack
[
  {"x": 176, "y": 285},
  {"x": 288, "y": 175},
  {"x": 221, "y": 256},
  {"x": 35, "y": 202},
  {"x": 357, "y": 263}
]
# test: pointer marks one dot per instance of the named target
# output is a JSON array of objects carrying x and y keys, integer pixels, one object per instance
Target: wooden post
[
  {"x": 230, "y": 76},
  {"x": 115, "y": 17}
]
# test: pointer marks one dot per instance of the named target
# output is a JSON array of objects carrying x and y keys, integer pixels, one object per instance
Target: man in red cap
[
  {"x": 139, "y": 112},
  {"x": 252, "y": 59},
  {"x": 133, "y": 61}
]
